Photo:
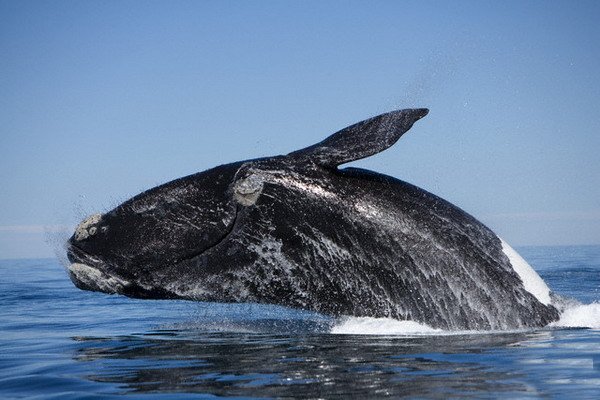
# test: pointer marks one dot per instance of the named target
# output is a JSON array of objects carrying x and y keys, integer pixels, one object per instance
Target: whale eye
[{"x": 248, "y": 190}]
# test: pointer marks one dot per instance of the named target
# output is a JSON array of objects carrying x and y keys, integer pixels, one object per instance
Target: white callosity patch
[
  {"x": 95, "y": 278},
  {"x": 531, "y": 280},
  {"x": 247, "y": 190},
  {"x": 86, "y": 228}
]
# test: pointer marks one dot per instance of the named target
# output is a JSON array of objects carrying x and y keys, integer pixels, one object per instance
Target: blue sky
[{"x": 100, "y": 100}]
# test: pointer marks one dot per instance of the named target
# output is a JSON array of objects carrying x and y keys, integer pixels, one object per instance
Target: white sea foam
[
  {"x": 380, "y": 326},
  {"x": 573, "y": 316},
  {"x": 579, "y": 316},
  {"x": 394, "y": 327},
  {"x": 531, "y": 280}
]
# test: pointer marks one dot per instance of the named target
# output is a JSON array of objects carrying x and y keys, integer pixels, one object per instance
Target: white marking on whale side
[
  {"x": 247, "y": 191},
  {"x": 531, "y": 280}
]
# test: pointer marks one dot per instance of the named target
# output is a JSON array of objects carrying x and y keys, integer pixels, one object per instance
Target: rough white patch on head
[
  {"x": 82, "y": 232},
  {"x": 247, "y": 190},
  {"x": 95, "y": 278},
  {"x": 531, "y": 280}
]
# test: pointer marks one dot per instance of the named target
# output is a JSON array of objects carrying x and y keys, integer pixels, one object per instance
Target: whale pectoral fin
[{"x": 362, "y": 139}]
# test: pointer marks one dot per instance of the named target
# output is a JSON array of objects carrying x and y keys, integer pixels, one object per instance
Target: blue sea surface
[{"x": 59, "y": 342}]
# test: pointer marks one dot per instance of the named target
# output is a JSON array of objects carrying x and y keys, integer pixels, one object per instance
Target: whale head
[
  {"x": 155, "y": 245},
  {"x": 126, "y": 249}
]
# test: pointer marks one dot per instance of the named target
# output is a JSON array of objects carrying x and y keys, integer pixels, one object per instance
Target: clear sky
[{"x": 102, "y": 99}]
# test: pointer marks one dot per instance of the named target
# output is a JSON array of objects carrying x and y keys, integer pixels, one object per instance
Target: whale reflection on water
[{"x": 202, "y": 359}]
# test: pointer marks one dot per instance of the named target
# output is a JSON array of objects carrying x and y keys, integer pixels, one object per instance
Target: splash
[
  {"x": 579, "y": 316},
  {"x": 573, "y": 315},
  {"x": 56, "y": 239},
  {"x": 380, "y": 326}
]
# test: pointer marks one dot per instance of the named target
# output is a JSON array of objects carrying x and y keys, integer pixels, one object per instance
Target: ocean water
[{"x": 59, "y": 342}]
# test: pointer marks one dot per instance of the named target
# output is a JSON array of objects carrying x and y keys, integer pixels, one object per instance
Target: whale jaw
[
  {"x": 90, "y": 273},
  {"x": 87, "y": 277}
]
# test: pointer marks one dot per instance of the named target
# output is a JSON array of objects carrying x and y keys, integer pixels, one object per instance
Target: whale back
[{"x": 353, "y": 242}]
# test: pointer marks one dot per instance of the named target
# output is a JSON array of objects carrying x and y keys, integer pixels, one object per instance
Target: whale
[{"x": 298, "y": 230}]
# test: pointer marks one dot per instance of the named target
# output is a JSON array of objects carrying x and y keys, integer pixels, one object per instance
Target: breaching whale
[{"x": 296, "y": 230}]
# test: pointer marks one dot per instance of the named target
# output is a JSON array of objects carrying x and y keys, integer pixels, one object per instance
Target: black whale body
[{"x": 295, "y": 230}]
